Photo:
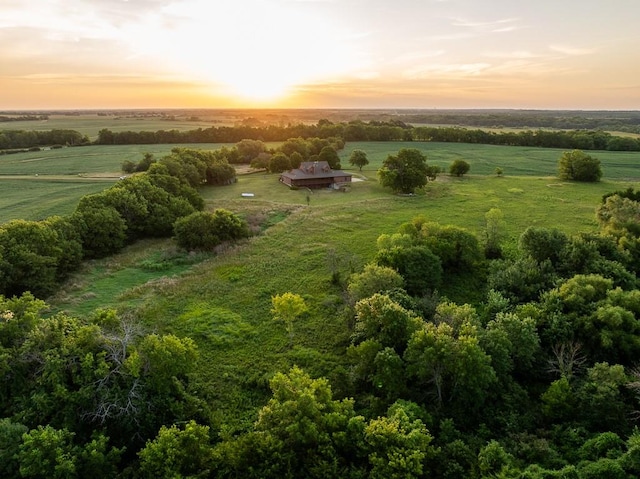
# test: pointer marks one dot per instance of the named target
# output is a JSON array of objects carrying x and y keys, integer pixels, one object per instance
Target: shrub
[
  {"x": 459, "y": 168},
  {"x": 204, "y": 231},
  {"x": 577, "y": 165}
]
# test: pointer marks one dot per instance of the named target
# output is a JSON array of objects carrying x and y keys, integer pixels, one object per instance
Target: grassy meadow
[{"x": 223, "y": 300}]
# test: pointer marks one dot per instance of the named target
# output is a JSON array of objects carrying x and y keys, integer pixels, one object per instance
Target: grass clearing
[{"x": 223, "y": 301}]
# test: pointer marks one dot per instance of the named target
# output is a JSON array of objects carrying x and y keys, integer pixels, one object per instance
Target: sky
[{"x": 542, "y": 54}]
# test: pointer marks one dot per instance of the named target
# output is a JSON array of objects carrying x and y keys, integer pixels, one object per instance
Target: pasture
[
  {"x": 91, "y": 123},
  {"x": 223, "y": 301},
  {"x": 38, "y": 184}
]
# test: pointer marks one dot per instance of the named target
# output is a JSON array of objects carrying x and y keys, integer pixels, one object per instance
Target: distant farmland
[{"x": 40, "y": 184}]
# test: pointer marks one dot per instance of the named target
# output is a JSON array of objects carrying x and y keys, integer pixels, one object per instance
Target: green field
[
  {"x": 89, "y": 169},
  {"x": 90, "y": 124},
  {"x": 39, "y": 184},
  {"x": 223, "y": 301}
]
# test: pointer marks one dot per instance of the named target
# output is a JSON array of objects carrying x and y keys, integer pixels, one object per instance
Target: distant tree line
[
  {"x": 383, "y": 131},
  {"x": 5, "y": 118},
  {"x": 11, "y": 139},
  {"x": 627, "y": 121},
  {"x": 394, "y": 130}
]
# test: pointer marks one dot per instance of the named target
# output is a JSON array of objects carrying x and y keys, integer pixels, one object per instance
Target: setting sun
[{"x": 243, "y": 56}]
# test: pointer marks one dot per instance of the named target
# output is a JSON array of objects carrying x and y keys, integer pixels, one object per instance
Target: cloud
[
  {"x": 460, "y": 22},
  {"x": 446, "y": 70},
  {"x": 515, "y": 54},
  {"x": 572, "y": 51}
]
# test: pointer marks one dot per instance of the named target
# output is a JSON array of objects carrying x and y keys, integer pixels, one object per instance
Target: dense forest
[{"x": 533, "y": 375}]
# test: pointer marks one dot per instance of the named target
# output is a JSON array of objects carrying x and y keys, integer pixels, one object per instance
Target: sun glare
[{"x": 259, "y": 53}]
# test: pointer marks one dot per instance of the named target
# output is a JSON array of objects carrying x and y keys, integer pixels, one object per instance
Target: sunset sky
[{"x": 546, "y": 54}]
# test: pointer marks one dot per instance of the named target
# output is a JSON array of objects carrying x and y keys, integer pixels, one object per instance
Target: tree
[
  {"x": 418, "y": 266},
  {"x": 373, "y": 279},
  {"x": 287, "y": 307},
  {"x": 543, "y": 244},
  {"x": 329, "y": 154},
  {"x": 177, "y": 453},
  {"x": 358, "y": 158},
  {"x": 399, "y": 446},
  {"x": 494, "y": 233},
  {"x": 29, "y": 258},
  {"x": 204, "y": 231},
  {"x": 439, "y": 358},
  {"x": 382, "y": 319},
  {"x": 301, "y": 432},
  {"x": 404, "y": 172},
  {"x": 249, "y": 149},
  {"x": 279, "y": 162},
  {"x": 578, "y": 166},
  {"x": 457, "y": 248},
  {"x": 102, "y": 231},
  {"x": 459, "y": 168}
]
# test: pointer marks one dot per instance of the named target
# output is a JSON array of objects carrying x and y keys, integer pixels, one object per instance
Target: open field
[
  {"x": 39, "y": 198},
  {"x": 89, "y": 167},
  {"x": 91, "y": 123},
  {"x": 224, "y": 301},
  {"x": 84, "y": 160}
]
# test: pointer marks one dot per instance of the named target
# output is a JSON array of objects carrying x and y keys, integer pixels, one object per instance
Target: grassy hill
[{"x": 223, "y": 301}]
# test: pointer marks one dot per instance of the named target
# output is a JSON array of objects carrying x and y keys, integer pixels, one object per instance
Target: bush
[
  {"x": 204, "y": 231},
  {"x": 578, "y": 166},
  {"x": 459, "y": 168}
]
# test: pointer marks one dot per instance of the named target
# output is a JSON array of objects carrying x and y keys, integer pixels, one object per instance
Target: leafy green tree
[
  {"x": 418, "y": 266},
  {"x": 299, "y": 145},
  {"x": 220, "y": 173},
  {"x": 249, "y": 149},
  {"x": 279, "y": 162},
  {"x": 619, "y": 215},
  {"x": 543, "y": 244},
  {"x": 400, "y": 447},
  {"x": 330, "y": 155},
  {"x": 385, "y": 321},
  {"x": 30, "y": 258},
  {"x": 457, "y": 248},
  {"x": 601, "y": 403},
  {"x": 358, "y": 158},
  {"x": 459, "y": 168},
  {"x": 102, "y": 230},
  {"x": 512, "y": 343},
  {"x": 578, "y": 166},
  {"x": 433, "y": 171},
  {"x": 287, "y": 307},
  {"x": 404, "y": 172},
  {"x": 295, "y": 159},
  {"x": 11, "y": 434},
  {"x": 494, "y": 233},
  {"x": 47, "y": 452},
  {"x": 494, "y": 461},
  {"x": 301, "y": 432},
  {"x": 521, "y": 280},
  {"x": 439, "y": 360},
  {"x": 177, "y": 452},
  {"x": 204, "y": 231},
  {"x": 373, "y": 279}
]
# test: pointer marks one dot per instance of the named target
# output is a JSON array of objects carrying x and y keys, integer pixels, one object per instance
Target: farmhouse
[{"x": 315, "y": 174}]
